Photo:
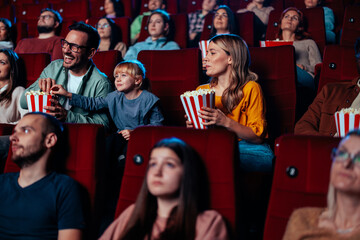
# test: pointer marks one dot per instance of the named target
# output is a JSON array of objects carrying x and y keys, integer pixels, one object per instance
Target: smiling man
[
  {"x": 48, "y": 25},
  {"x": 38, "y": 203},
  {"x": 77, "y": 74}
]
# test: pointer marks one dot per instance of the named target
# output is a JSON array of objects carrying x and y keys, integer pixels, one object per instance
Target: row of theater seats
[
  {"x": 173, "y": 72},
  {"x": 300, "y": 178},
  {"x": 27, "y": 14}
]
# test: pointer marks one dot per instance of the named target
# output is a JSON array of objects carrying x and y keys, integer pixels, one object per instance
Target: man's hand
[
  {"x": 45, "y": 84},
  {"x": 56, "y": 110}
]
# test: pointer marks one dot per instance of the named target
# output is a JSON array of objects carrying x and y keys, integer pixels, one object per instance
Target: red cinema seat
[
  {"x": 21, "y": 30},
  {"x": 301, "y": 178},
  {"x": 276, "y": 69},
  {"x": 34, "y": 64},
  {"x": 245, "y": 25},
  {"x": 180, "y": 32},
  {"x": 97, "y": 8},
  {"x": 351, "y": 26},
  {"x": 313, "y": 20},
  {"x": 171, "y": 73},
  {"x": 7, "y": 12},
  {"x": 211, "y": 144},
  {"x": 122, "y": 22},
  {"x": 65, "y": 27},
  {"x": 106, "y": 61},
  {"x": 73, "y": 10},
  {"x": 339, "y": 64},
  {"x": 171, "y": 6},
  {"x": 86, "y": 142},
  {"x": 205, "y": 34}
]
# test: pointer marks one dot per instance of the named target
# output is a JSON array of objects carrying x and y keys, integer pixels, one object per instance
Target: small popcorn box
[
  {"x": 274, "y": 43},
  {"x": 203, "y": 45},
  {"x": 194, "y": 101},
  {"x": 346, "y": 121},
  {"x": 37, "y": 100}
]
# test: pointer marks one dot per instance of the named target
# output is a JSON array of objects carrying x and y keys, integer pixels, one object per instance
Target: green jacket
[
  {"x": 135, "y": 26},
  {"x": 94, "y": 84}
]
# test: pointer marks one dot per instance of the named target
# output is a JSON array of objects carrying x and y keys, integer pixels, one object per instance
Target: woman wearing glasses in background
[
  {"x": 110, "y": 38},
  {"x": 307, "y": 54},
  {"x": 341, "y": 218}
]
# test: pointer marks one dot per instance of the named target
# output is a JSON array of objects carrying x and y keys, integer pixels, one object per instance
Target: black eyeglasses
[{"x": 72, "y": 46}]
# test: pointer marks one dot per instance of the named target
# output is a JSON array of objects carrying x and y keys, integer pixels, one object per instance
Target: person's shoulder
[
  {"x": 99, "y": 76},
  {"x": 62, "y": 180},
  {"x": 18, "y": 90},
  {"x": 250, "y": 85},
  {"x": 149, "y": 95},
  {"x": 306, "y": 213},
  {"x": 337, "y": 86},
  {"x": 6, "y": 177},
  {"x": 204, "y": 86},
  {"x": 209, "y": 215}
]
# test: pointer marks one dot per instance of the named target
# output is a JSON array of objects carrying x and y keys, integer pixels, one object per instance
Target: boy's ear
[{"x": 138, "y": 80}]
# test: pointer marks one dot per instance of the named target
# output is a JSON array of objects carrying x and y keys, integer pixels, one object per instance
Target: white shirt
[{"x": 72, "y": 86}]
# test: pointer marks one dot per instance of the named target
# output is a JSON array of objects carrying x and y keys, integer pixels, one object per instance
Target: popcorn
[
  {"x": 193, "y": 101},
  {"x": 36, "y": 100},
  {"x": 203, "y": 45},
  {"x": 346, "y": 120},
  {"x": 275, "y": 43}
]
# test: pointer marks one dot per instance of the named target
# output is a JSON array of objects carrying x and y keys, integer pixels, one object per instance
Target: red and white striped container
[
  {"x": 346, "y": 120},
  {"x": 275, "y": 43},
  {"x": 36, "y": 102},
  {"x": 203, "y": 45},
  {"x": 194, "y": 101}
]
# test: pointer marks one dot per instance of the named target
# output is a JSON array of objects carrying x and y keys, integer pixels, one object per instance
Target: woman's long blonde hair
[{"x": 235, "y": 47}]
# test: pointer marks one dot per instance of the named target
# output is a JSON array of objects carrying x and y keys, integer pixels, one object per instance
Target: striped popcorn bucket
[
  {"x": 203, "y": 45},
  {"x": 346, "y": 122},
  {"x": 36, "y": 103},
  {"x": 192, "y": 104}
]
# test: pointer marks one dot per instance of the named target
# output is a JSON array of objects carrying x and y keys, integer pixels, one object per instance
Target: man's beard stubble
[
  {"x": 45, "y": 29},
  {"x": 31, "y": 158}
]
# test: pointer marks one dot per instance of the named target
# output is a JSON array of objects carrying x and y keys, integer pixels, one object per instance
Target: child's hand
[
  {"x": 126, "y": 134},
  {"x": 189, "y": 124},
  {"x": 59, "y": 90}
]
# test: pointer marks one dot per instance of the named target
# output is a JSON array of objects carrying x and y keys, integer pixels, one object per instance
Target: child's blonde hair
[{"x": 132, "y": 67}]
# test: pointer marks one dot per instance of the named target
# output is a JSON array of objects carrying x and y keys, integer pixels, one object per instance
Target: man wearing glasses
[
  {"x": 319, "y": 118},
  {"x": 77, "y": 73},
  {"x": 48, "y": 26}
]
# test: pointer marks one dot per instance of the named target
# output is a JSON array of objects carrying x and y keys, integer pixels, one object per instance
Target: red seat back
[
  {"x": 7, "y": 12},
  {"x": 73, "y": 10},
  {"x": 6, "y": 129},
  {"x": 351, "y": 26},
  {"x": 34, "y": 64},
  {"x": 86, "y": 143},
  {"x": 211, "y": 144},
  {"x": 339, "y": 64},
  {"x": 171, "y": 73},
  {"x": 106, "y": 61},
  {"x": 301, "y": 178},
  {"x": 276, "y": 69},
  {"x": 180, "y": 24}
]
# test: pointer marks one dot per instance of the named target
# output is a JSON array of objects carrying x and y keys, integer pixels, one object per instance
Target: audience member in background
[
  {"x": 136, "y": 24},
  {"x": 10, "y": 93},
  {"x": 78, "y": 74},
  {"x": 239, "y": 100},
  {"x": 307, "y": 53},
  {"x": 110, "y": 36},
  {"x": 341, "y": 218},
  {"x": 10, "y": 87},
  {"x": 197, "y": 18},
  {"x": 224, "y": 21},
  {"x": 173, "y": 200},
  {"x": 328, "y": 17},
  {"x": 37, "y": 202},
  {"x": 48, "y": 24},
  {"x": 262, "y": 12},
  {"x": 6, "y": 41},
  {"x": 113, "y": 8},
  {"x": 160, "y": 35},
  {"x": 319, "y": 118}
]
